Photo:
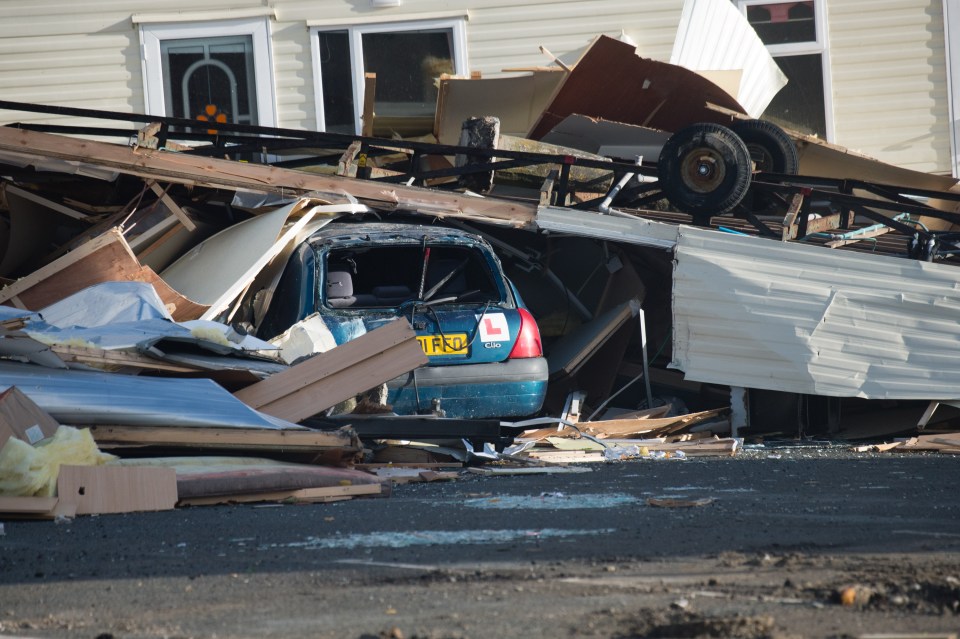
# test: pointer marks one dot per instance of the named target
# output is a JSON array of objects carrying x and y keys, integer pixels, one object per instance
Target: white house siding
[
  {"x": 890, "y": 80},
  {"x": 888, "y": 56},
  {"x": 509, "y": 35},
  {"x": 83, "y": 55}
]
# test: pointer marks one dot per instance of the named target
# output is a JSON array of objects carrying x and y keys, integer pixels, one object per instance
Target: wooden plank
[
  {"x": 347, "y": 165},
  {"x": 566, "y": 456},
  {"x": 217, "y": 173},
  {"x": 300, "y": 376},
  {"x": 240, "y": 438},
  {"x": 790, "y": 226},
  {"x": 369, "y": 97},
  {"x": 702, "y": 447},
  {"x": 117, "y": 359},
  {"x": 44, "y": 202},
  {"x": 20, "y": 417},
  {"x": 931, "y": 443},
  {"x": 343, "y": 372},
  {"x": 877, "y": 448},
  {"x": 946, "y": 441},
  {"x": 861, "y": 236},
  {"x": 117, "y": 489},
  {"x": 174, "y": 208},
  {"x": 823, "y": 224},
  {"x": 629, "y": 426},
  {"x": 301, "y": 495}
]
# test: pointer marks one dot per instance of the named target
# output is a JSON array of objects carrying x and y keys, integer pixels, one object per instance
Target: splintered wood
[{"x": 642, "y": 434}]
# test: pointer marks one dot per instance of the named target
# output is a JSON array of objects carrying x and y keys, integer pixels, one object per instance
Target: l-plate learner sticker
[{"x": 493, "y": 328}]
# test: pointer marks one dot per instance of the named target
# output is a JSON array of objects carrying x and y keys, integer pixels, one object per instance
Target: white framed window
[
  {"x": 406, "y": 57},
  {"x": 210, "y": 70},
  {"x": 795, "y": 34}
]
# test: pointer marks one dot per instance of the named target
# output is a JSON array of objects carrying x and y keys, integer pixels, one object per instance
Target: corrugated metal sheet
[
  {"x": 82, "y": 398},
  {"x": 615, "y": 227},
  {"x": 763, "y": 314},
  {"x": 714, "y": 36}
]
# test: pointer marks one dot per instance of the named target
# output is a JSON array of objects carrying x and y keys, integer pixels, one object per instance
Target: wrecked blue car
[{"x": 484, "y": 349}]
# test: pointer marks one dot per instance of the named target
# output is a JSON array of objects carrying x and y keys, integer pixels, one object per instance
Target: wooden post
[{"x": 369, "y": 95}]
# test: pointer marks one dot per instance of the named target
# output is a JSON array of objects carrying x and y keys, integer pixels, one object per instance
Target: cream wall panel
[{"x": 890, "y": 82}]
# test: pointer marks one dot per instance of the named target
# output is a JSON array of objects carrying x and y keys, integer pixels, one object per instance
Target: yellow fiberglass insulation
[{"x": 27, "y": 470}]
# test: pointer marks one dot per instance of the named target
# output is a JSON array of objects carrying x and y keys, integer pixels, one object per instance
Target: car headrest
[{"x": 339, "y": 285}]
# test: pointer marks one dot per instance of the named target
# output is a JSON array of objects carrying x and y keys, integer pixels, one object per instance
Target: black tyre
[
  {"x": 771, "y": 149},
  {"x": 705, "y": 170}
]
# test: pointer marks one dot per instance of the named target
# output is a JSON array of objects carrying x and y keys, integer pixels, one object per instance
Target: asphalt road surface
[{"x": 778, "y": 542}]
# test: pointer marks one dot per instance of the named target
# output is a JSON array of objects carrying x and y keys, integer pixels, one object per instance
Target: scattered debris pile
[{"x": 136, "y": 276}]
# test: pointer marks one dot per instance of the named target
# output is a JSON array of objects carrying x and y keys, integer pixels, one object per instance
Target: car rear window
[{"x": 387, "y": 276}]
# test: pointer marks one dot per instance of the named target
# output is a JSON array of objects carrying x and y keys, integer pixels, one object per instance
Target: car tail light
[{"x": 528, "y": 340}]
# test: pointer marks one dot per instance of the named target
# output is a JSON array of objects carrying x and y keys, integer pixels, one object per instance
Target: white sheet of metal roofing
[
  {"x": 85, "y": 397},
  {"x": 614, "y": 226},
  {"x": 759, "y": 313},
  {"x": 713, "y": 35}
]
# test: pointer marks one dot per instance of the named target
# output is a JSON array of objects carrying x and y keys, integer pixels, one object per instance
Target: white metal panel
[
  {"x": 614, "y": 226},
  {"x": 714, "y": 36},
  {"x": 781, "y": 316}
]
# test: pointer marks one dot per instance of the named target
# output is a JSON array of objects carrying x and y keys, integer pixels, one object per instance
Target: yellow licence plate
[{"x": 449, "y": 344}]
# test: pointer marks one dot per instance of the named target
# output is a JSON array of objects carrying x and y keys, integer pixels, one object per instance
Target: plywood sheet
[
  {"x": 517, "y": 102},
  {"x": 612, "y": 82},
  {"x": 114, "y": 489}
]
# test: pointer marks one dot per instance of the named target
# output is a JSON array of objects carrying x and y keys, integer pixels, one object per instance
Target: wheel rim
[{"x": 703, "y": 170}]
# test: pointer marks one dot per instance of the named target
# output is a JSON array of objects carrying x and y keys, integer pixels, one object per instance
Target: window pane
[
  {"x": 800, "y": 105},
  {"x": 783, "y": 22},
  {"x": 406, "y": 64},
  {"x": 335, "y": 78},
  {"x": 210, "y": 79}
]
